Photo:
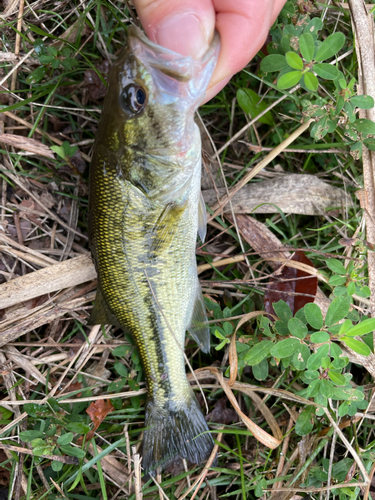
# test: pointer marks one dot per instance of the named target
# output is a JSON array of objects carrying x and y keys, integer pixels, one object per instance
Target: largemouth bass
[{"x": 145, "y": 210}]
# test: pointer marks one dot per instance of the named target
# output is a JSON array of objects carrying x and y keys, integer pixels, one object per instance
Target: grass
[{"x": 53, "y": 366}]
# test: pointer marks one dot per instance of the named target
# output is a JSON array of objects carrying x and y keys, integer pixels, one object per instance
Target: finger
[
  {"x": 243, "y": 26},
  {"x": 278, "y": 5},
  {"x": 184, "y": 26}
]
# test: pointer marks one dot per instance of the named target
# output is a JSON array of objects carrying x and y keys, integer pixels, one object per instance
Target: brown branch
[{"x": 363, "y": 27}]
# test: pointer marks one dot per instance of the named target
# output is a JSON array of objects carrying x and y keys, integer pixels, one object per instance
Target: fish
[{"x": 145, "y": 211}]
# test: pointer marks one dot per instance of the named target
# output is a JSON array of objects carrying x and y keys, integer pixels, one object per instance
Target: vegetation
[{"x": 288, "y": 383}]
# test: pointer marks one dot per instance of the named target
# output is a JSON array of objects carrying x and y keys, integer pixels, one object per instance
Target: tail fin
[{"x": 172, "y": 434}]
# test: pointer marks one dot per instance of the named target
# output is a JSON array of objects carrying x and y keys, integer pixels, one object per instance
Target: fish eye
[{"x": 133, "y": 99}]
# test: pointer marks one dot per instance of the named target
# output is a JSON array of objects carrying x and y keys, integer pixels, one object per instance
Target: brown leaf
[
  {"x": 292, "y": 281},
  {"x": 28, "y": 144},
  {"x": 221, "y": 414},
  {"x": 260, "y": 434},
  {"x": 233, "y": 360},
  {"x": 94, "y": 84},
  {"x": 97, "y": 411}
]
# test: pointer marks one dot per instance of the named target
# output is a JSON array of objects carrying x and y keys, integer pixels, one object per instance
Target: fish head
[{"x": 153, "y": 94}]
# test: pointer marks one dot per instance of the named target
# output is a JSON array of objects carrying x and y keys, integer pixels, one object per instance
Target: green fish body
[{"x": 145, "y": 210}]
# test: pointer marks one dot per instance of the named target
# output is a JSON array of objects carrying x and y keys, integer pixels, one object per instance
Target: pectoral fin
[
  {"x": 100, "y": 315},
  {"x": 202, "y": 219},
  {"x": 198, "y": 328},
  {"x": 166, "y": 226}
]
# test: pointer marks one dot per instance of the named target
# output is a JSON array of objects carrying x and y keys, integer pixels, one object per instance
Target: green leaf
[
  {"x": 297, "y": 328},
  {"x": 300, "y": 357},
  {"x": 366, "y": 326},
  {"x": 337, "y": 378},
  {"x": 351, "y": 288},
  {"x": 273, "y": 62},
  {"x": 357, "y": 346},
  {"x": 313, "y": 388},
  {"x": 250, "y": 102},
  {"x": 311, "y": 81},
  {"x": 319, "y": 337},
  {"x": 356, "y": 150},
  {"x": 57, "y": 466},
  {"x": 315, "y": 25},
  {"x": 46, "y": 59},
  {"x": 326, "y": 388},
  {"x": 326, "y": 71},
  {"x": 72, "y": 451},
  {"x": 35, "y": 410},
  {"x": 65, "y": 438},
  {"x": 335, "y": 266},
  {"x": 314, "y": 360},
  {"x": 289, "y": 80},
  {"x": 30, "y": 435},
  {"x": 294, "y": 60},
  {"x": 331, "y": 45},
  {"x": 370, "y": 143},
  {"x": 343, "y": 409},
  {"x": 337, "y": 280},
  {"x": 36, "y": 75},
  {"x": 117, "y": 385},
  {"x": 282, "y": 310},
  {"x": 282, "y": 328},
  {"x": 78, "y": 427},
  {"x": 258, "y": 352},
  {"x": 304, "y": 423},
  {"x": 121, "y": 350},
  {"x": 285, "y": 348},
  {"x": 335, "y": 350},
  {"x": 121, "y": 369},
  {"x": 260, "y": 371},
  {"x": 362, "y": 101},
  {"x": 306, "y": 46},
  {"x": 337, "y": 310},
  {"x": 59, "y": 150},
  {"x": 365, "y": 126},
  {"x": 345, "y": 326},
  {"x": 311, "y": 374},
  {"x": 314, "y": 315}
]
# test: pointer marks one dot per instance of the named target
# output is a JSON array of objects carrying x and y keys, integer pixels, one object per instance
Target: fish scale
[{"x": 143, "y": 219}]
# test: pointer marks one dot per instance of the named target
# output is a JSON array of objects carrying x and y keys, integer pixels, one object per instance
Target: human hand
[{"x": 187, "y": 27}]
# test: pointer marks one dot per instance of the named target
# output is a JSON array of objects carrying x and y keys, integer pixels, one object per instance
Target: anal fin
[
  {"x": 101, "y": 315},
  {"x": 198, "y": 328}
]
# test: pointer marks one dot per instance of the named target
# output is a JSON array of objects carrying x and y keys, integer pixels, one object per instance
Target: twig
[
  {"x": 137, "y": 474},
  {"x": 363, "y": 27},
  {"x": 263, "y": 163}
]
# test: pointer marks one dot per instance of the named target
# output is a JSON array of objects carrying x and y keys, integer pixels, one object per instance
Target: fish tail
[{"x": 171, "y": 433}]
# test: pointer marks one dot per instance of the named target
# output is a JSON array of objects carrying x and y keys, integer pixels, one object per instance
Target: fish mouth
[{"x": 179, "y": 67}]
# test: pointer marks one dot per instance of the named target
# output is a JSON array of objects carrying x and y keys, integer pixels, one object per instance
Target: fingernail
[{"x": 183, "y": 33}]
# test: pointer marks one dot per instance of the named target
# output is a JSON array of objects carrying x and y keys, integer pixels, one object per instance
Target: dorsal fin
[{"x": 198, "y": 327}]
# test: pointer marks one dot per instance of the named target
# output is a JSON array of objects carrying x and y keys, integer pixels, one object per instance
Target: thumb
[{"x": 183, "y": 26}]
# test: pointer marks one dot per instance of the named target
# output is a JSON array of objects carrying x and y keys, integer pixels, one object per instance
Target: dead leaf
[
  {"x": 94, "y": 84},
  {"x": 28, "y": 144},
  {"x": 221, "y": 414},
  {"x": 97, "y": 411},
  {"x": 293, "y": 194},
  {"x": 289, "y": 282},
  {"x": 233, "y": 360},
  {"x": 258, "y": 432}
]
